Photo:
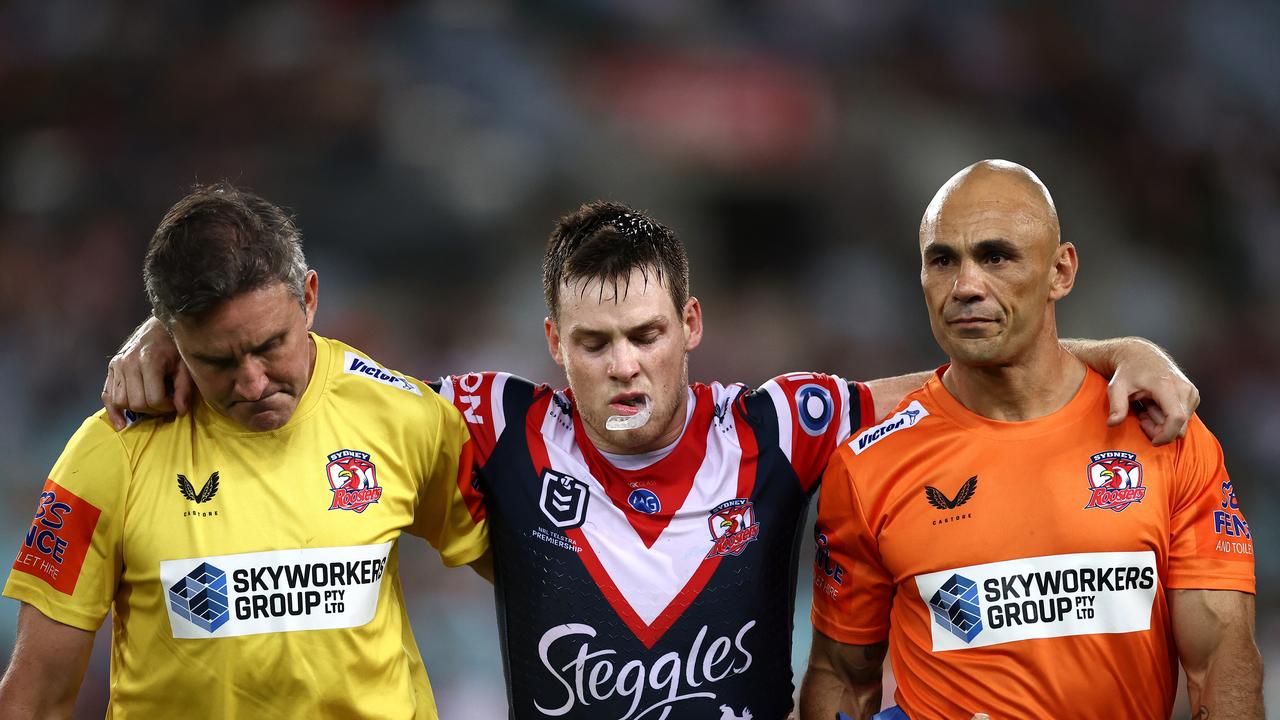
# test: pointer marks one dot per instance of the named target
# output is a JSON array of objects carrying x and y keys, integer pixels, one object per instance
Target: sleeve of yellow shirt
[
  {"x": 442, "y": 516},
  {"x": 69, "y": 560}
]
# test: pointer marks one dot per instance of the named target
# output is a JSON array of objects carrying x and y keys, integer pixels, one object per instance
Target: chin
[
  {"x": 976, "y": 352},
  {"x": 635, "y": 440},
  {"x": 267, "y": 420}
]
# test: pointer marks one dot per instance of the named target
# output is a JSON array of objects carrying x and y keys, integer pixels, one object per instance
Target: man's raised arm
[
  {"x": 147, "y": 375},
  {"x": 1141, "y": 372},
  {"x": 48, "y": 664}
]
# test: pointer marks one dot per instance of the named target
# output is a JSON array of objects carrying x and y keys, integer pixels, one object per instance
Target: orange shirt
[{"x": 1020, "y": 569}]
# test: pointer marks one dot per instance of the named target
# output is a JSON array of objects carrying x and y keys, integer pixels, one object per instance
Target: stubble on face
[
  {"x": 621, "y": 342},
  {"x": 251, "y": 357},
  {"x": 987, "y": 243}
]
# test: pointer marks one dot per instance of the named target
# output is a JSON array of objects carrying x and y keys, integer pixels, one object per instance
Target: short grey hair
[{"x": 216, "y": 243}]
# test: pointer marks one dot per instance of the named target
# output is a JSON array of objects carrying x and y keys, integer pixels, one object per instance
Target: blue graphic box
[
  {"x": 955, "y": 607},
  {"x": 201, "y": 597}
]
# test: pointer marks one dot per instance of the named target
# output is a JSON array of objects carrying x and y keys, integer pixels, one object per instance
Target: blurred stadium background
[{"x": 427, "y": 148}]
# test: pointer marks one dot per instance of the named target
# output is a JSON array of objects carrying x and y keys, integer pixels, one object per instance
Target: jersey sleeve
[
  {"x": 1211, "y": 547},
  {"x": 815, "y": 413},
  {"x": 70, "y": 557},
  {"x": 446, "y": 515},
  {"x": 852, "y": 591},
  {"x": 476, "y": 397}
]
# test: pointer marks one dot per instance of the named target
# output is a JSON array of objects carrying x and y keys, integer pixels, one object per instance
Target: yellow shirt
[{"x": 254, "y": 574}]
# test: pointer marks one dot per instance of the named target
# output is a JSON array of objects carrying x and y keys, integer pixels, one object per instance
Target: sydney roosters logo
[
  {"x": 353, "y": 479},
  {"x": 733, "y": 526},
  {"x": 1115, "y": 480}
]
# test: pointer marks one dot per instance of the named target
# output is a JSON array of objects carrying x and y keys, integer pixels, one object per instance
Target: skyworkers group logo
[
  {"x": 209, "y": 598},
  {"x": 1040, "y": 597}
]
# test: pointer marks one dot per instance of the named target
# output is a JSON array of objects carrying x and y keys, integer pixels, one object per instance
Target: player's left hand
[{"x": 1160, "y": 393}]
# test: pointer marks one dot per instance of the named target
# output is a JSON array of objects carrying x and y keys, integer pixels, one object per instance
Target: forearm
[
  {"x": 888, "y": 392},
  {"x": 1213, "y": 630},
  {"x": 1230, "y": 686},
  {"x": 44, "y": 674},
  {"x": 824, "y": 693},
  {"x": 1104, "y": 356}
]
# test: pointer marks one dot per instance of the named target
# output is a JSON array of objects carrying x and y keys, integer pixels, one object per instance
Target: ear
[
  {"x": 553, "y": 340},
  {"x": 310, "y": 296},
  {"x": 692, "y": 320},
  {"x": 1063, "y": 276}
]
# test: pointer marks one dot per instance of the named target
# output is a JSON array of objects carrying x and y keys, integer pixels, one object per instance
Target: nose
[
  {"x": 251, "y": 380},
  {"x": 624, "y": 363},
  {"x": 970, "y": 284}
]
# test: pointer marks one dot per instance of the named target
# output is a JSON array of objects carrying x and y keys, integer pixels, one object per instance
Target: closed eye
[{"x": 648, "y": 338}]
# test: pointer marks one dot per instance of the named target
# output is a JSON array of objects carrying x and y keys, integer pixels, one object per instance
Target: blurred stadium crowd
[{"x": 427, "y": 148}]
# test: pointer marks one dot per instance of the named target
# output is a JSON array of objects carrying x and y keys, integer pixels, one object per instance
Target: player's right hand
[{"x": 147, "y": 375}]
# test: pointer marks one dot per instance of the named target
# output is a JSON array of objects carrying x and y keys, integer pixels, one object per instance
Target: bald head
[
  {"x": 993, "y": 264},
  {"x": 993, "y": 187}
]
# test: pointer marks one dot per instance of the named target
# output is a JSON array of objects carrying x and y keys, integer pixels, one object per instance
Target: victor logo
[
  {"x": 907, "y": 418},
  {"x": 356, "y": 365}
]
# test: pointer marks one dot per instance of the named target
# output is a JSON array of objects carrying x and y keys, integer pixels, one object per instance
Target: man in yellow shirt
[{"x": 248, "y": 548}]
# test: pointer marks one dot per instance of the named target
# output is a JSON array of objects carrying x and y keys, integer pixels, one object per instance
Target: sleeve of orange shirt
[
  {"x": 851, "y": 589},
  {"x": 1211, "y": 546}
]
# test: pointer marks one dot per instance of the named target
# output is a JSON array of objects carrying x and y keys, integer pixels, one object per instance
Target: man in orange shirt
[{"x": 1012, "y": 553}]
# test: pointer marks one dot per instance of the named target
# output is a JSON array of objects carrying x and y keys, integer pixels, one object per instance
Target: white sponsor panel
[
  {"x": 1040, "y": 597},
  {"x": 905, "y": 418},
  {"x": 353, "y": 364},
  {"x": 273, "y": 591}
]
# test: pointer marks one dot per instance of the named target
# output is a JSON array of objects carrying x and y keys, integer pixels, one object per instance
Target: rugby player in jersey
[
  {"x": 645, "y": 530},
  {"x": 1014, "y": 553},
  {"x": 246, "y": 550}
]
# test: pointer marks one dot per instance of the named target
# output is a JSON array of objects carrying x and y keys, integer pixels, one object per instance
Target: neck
[{"x": 1024, "y": 389}]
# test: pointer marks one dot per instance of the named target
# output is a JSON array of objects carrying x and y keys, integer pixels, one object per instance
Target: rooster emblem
[
  {"x": 733, "y": 525},
  {"x": 1115, "y": 480}
]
